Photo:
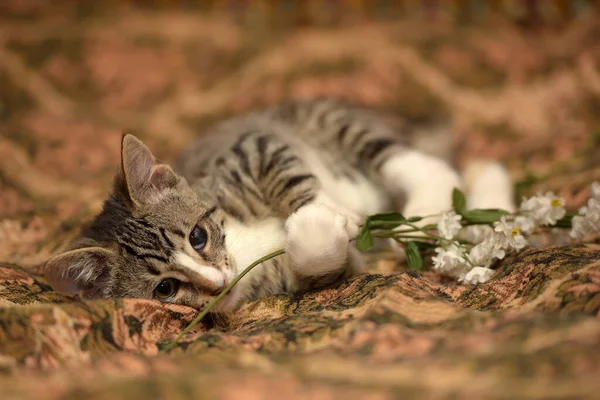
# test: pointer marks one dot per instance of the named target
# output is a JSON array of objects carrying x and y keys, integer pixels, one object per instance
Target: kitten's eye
[
  {"x": 198, "y": 238},
  {"x": 166, "y": 288}
]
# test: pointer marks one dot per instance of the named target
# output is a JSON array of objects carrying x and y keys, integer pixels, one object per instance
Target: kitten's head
[{"x": 155, "y": 238}]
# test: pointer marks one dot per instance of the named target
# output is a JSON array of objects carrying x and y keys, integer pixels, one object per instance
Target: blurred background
[{"x": 519, "y": 81}]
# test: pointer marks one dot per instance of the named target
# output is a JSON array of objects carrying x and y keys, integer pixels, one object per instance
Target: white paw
[
  {"x": 489, "y": 185},
  {"x": 326, "y": 200},
  {"x": 318, "y": 239},
  {"x": 426, "y": 181},
  {"x": 428, "y": 203}
]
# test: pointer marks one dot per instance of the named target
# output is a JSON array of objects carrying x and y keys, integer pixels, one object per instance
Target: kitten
[{"x": 300, "y": 176}]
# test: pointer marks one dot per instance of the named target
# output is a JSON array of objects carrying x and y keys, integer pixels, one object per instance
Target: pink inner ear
[
  {"x": 140, "y": 168},
  {"x": 162, "y": 177},
  {"x": 158, "y": 176},
  {"x": 145, "y": 176},
  {"x": 64, "y": 285}
]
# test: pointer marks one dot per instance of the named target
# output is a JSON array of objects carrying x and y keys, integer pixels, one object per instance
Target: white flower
[
  {"x": 450, "y": 260},
  {"x": 588, "y": 220},
  {"x": 580, "y": 227},
  {"x": 483, "y": 254},
  {"x": 477, "y": 275},
  {"x": 595, "y": 191},
  {"x": 476, "y": 233},
  {"x": 526, "y": 223},
  {"x": 592, "y": 212},
  {"x": 510, "y": 235},
  {"x": 449, "y": 225},
  {"x": 544, "y": 209}
]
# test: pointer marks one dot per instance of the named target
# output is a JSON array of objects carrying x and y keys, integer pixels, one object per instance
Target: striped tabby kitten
[{"x": 300, "y": 176}]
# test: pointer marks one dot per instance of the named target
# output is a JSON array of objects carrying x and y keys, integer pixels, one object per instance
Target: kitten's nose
[{"x": 220, "y": 289}]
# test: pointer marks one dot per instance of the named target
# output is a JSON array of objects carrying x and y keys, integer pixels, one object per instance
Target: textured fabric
[
  {"x": 73, "y": 77},
  {"x": 533, "y": 332}
]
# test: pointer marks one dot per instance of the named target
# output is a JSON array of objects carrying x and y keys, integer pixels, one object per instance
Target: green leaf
[
  {"x": 459, "y": 203},
  {"x": 387, "y": 216},
  {"x": 566, "y": 221},
  {"x": 364, "y": 240},
  {"x": 421, "y": 245},
  {"x": 483, "y": 216},
  {"x": 414, "y": 219},
  {"x": 413, "y": 256},
  {"x": 477, "y": 216},
  {"x": 389, "y": 220}
]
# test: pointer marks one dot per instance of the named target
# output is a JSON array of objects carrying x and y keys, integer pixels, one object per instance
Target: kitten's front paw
[{"x": 318, "y": 239}]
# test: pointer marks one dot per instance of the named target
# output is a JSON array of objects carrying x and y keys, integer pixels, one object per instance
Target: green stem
[
  {"x": 380, "y": 224},
  {"x": 416, "y": 237},
  {"x": 469, "y": 262},
  {"x": 395, "y": 231},
  {"x": 214, "y": 302},
  {"x": 387, "y": 234},
  {"x": 423, "y": 230},
  {"x": 393, "y": 236},
  {"x": 431, "y": 216}
]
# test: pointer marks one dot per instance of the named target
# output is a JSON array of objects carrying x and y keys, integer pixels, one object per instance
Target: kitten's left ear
[
  {"x": 146, "y": 179},
  {"x": 84, "y": 271}
]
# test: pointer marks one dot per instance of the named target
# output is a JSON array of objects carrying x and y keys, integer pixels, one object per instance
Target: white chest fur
[{"x": 247, "y": 243}]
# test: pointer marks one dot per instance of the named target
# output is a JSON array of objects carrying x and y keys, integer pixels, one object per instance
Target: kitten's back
[{"x": 314, "y": 126}]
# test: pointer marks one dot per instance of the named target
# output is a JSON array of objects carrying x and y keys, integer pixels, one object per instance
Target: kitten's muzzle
[{"x": 219, "y": 290}]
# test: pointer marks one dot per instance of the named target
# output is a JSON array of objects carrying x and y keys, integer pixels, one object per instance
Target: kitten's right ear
[
  {"x": 81, "y": 270},
  {"x": 144, "y": 177}
]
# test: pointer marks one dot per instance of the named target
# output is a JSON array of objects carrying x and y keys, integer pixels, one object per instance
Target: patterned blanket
[
  {"x": 73, "y": 77},
  {"x": 532, "y": 332}
]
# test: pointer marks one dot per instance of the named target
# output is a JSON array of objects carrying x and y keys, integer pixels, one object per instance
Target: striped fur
[{"x": 299, "y": 175}]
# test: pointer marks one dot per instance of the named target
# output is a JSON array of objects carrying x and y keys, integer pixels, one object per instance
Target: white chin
[{"x": 229, "y": 303}]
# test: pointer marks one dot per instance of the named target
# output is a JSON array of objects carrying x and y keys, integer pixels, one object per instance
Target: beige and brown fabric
[{"x": 73, "y": 77}]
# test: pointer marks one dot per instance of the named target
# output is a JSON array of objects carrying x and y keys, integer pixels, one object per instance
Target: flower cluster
[
  {"x": 468, "y": 242},
  {"x": 588, "y": 220},
  {"x": 449, "y": 260},
  {"x": 449, "y": 225},
  {"x": 472, "y": 262}
]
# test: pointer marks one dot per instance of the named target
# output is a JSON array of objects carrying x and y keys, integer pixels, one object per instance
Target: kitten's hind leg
[
  {"x": 426, "y": 182},
  {"x": 488, "y": 185}
]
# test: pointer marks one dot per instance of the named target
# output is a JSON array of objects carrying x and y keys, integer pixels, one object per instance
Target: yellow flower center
[
  {"x": 516, "y": 231},
  {"x": 556, "y": 203}
]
